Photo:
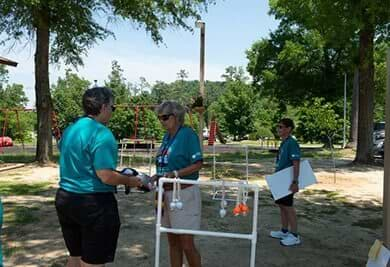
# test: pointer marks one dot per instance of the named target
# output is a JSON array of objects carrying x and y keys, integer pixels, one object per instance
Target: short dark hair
[
  {"x": 94, "y": 98},
  {"x": 288, "y": 123}
]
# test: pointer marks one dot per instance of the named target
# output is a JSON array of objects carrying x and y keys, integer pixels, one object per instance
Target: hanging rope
[
  {"x": 190, "y": 117},
  {"x": 136, "y": 122},
  {"x": 19, "y": 129},
  {"x": 5, "y": 123},
  {"x": 3, "y": 131},
  {"x": 144, "y": 122}
]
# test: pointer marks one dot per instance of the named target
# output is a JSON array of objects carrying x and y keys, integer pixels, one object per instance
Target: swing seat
[
  {"x": 5, "y": 141},
  {"x": 136, "y": 144}
]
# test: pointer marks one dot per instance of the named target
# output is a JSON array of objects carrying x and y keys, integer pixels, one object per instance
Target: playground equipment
[
  {"x": 215, "y": 132},
  {"x": 54, "y": 123},
  {"x": 135, "y": 148},
  {"x": 5, "y": 125},
  {"x": 217, "y": 193},
  {"x": 176, "y": 182},
  {"x": 130, "y": 147}
]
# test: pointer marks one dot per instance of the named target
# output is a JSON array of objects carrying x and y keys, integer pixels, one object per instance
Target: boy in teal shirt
[{"x": 288, "y": 155}]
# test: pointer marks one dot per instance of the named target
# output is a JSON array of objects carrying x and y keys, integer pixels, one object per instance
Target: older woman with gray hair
[{"x": 180, "y": 155}]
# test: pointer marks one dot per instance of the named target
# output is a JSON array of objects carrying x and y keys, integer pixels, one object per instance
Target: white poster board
[
  {"x": 382, "y": 259},
  {"x": 280, "y": 181}
]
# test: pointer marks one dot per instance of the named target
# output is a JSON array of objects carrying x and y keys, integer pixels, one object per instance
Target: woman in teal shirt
[
  {"x": 86, "y": 206},
  {"x": 180, "y": 155}
]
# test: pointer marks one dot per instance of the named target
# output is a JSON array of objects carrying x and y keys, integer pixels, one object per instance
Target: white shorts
[{"x": 189, "y": 216}]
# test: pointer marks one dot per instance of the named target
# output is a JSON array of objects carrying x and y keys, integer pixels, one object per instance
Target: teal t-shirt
[
  {"x": 85, "y": 147},
  {"x": 288, "y": 151},
  {"x": 178, "y": 152}
]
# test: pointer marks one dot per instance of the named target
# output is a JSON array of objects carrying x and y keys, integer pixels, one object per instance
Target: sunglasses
[{"x": 165, "y": 117}]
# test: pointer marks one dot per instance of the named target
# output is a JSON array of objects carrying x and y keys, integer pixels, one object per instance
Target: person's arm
[
  {"x": 294, "y": 187},
  {"x": 187, "y": 170},
  {"x": 115, "y": 178}
]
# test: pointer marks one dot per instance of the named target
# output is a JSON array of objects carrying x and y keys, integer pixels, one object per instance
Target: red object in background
[{"x": 5, "y": 141}]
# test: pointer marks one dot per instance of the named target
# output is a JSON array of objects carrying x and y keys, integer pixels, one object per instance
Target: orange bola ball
[
  {"x": 244, "y": 209},
  {"x": 236, "y": 210}
]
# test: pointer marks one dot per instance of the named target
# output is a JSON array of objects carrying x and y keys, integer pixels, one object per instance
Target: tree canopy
[
  {"x": 65, "y": 30},
  {"x": 316, "y": 42}
]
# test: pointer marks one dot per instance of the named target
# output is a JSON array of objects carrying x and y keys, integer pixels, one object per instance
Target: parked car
[
  {"x": 205, "y": 133},
  {"x": 380, "y": 149},
  {"x": 5, "y": 141},
  {"x": 379, "y": 138},
  {"x": 379, "y": 130}
]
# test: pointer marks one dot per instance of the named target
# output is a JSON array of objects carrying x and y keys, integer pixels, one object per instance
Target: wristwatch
[{"x": 176, "y": 173}]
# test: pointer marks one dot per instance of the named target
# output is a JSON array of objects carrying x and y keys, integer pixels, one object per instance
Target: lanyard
[
  {"x": 164, "y": 149},
  {"x": 162, "y": 157}
]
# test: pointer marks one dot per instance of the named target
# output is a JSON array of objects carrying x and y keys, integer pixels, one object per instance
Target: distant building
[{"x": 6, "y": 61}]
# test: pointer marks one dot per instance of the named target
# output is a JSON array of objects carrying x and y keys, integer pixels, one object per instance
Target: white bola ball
[
  {"x": 224, "y": 203},
  {"x": 222, "y": 213},
  {"x": 179, "y": 205},
  {"x": 172, "y": 205}
]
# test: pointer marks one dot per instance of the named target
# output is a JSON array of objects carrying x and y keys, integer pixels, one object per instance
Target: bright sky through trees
[{"x": 231, "y": 28}]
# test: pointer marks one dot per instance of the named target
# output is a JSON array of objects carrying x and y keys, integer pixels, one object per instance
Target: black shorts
[
  {"x": 90, "y": 225},
  {"x": 286, "y": 201}
]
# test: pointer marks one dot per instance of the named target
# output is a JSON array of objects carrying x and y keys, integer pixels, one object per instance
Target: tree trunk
[
  {"x": 42, "y": 92},
  {"x": 364, "y": 153},
  {"x": 353, "y": 130}
]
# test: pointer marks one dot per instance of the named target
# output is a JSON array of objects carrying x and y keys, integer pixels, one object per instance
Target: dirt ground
[{"x": 338, "y": 222}]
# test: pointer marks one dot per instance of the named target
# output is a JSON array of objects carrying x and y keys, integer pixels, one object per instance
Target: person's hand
[
  {"x": 134, "y": 181},
  {"x": 169, "y": 175},
  {"x": 146, "y": 182},
  {"x": 155, "y": 178},
  {"x": 129, "y": 172},
  {"x": 294, "y": 188}
]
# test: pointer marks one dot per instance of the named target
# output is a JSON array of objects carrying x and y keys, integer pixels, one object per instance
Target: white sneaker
[
  {"x": 278, "y": 234},
  {"x": 291, "y": 240}
]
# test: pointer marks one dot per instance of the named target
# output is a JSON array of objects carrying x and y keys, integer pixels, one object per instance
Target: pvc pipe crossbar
[
  {"x": 206, "y": 233},
  {"x": 252, "y": 236}
]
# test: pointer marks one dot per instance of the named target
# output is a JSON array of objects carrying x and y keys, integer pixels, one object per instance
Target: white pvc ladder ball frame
[
  {"x": 215, "y": 162},
  {"x": 252, "y": 236}
]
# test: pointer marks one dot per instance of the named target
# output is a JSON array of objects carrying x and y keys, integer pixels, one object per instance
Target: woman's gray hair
[{"x": 172, "y": 107}]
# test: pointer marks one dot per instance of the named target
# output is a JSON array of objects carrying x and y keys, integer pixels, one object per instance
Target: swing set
[
  {"x": 6, "y": 141},
  {"x": 130, "y": 146}
]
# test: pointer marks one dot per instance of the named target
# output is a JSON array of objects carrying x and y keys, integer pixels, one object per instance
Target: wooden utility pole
[
  {"x": 202, "y": 26},
  {"x": 386, "y": 178}
]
